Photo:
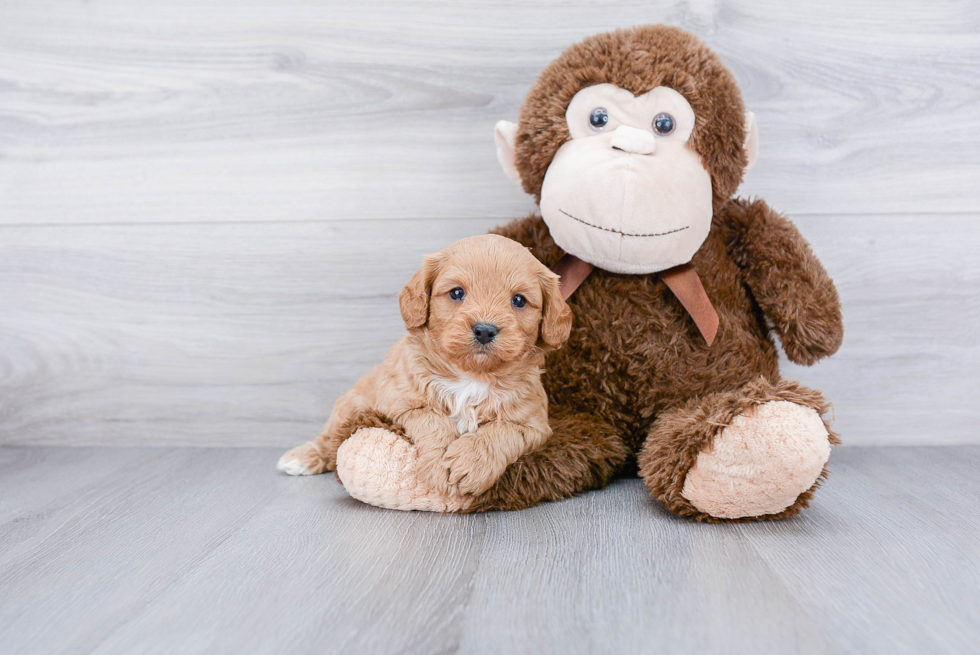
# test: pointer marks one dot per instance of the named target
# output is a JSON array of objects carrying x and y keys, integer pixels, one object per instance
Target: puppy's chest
[{"x": 468, "y": 402}]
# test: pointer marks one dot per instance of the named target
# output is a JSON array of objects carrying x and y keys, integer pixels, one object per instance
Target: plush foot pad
[
  {"x": 377, "y": 467},
  {"x": 760, "y": 463}
]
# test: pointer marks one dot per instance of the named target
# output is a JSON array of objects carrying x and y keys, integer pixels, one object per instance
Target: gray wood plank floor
[{"x": 141, "y": 550}]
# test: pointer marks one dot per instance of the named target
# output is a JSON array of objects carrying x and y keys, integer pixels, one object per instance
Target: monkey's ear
[
  {"x": 505, "y": 133},
  {"x": 751, "y": 139},
  {"x": 414, "y": 297}
]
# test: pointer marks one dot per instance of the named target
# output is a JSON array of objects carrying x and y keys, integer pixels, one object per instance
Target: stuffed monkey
[{"x": 633, "y": 143}]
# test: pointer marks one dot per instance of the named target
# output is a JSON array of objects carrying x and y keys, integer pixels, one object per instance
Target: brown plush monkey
[{"x": 634, "y": 143}]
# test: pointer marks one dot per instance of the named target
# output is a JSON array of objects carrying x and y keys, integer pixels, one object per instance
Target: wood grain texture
[
  {"x": 222, "y": 334},
  {"x": 245, "y": 334},
  {"x": 207, "y": 208},
  {"x": 909, "y": 520},
  {"x": 212, "y": 551},
  {"x": 119, "y": 112}
]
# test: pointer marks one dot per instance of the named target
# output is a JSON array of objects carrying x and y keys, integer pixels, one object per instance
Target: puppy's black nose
[{"x": 484, "y": 332}]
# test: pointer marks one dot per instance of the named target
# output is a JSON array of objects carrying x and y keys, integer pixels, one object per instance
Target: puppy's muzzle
[{"x": 485, "y": 332}]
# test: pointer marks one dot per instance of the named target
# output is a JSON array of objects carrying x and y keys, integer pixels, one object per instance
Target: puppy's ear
[
  {"x": 414, "y": 297},
  {"x": 556, "y": 315}
]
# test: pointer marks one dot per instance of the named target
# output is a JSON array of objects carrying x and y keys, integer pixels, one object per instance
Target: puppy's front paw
[
  {"x": 432, "y": 472},
  {"x": 470, "y": 471},
  {"x": 303, "y": 460}
]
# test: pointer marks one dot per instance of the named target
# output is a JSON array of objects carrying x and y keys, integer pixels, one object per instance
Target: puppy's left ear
[
  {"x": 556, "y": 315},
  {"x": 414, "y": 297}
]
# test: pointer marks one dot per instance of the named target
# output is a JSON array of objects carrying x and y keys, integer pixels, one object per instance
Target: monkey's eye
[
  {"x": 663, "y": 124},
  {"x": 518, "y": 301},
  {"x": 599, "y": 118},
  {"x": 457, "y": 293}
]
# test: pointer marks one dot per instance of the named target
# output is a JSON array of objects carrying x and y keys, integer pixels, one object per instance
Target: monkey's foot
[
  {"x": 378, "y": 467},
  {"x": 761, "y": 463}
]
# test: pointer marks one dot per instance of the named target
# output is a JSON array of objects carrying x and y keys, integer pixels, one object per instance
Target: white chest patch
[{"x": 462, "y": 396}]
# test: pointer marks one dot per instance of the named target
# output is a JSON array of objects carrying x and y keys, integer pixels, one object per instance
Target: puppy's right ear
[
  {"x": 556, "y": 315},
  {"x": 414, "y": 297}
]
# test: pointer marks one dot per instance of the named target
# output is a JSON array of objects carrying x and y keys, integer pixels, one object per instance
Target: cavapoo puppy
[{"x": 465, "y": 383}]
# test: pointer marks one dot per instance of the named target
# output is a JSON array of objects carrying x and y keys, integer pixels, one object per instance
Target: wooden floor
[{"x": 183, "y": 550}]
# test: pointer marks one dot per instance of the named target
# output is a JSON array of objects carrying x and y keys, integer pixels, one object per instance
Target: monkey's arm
[
  {"x": 532, "y": 232},
  {"x": 786, "y": 279}
]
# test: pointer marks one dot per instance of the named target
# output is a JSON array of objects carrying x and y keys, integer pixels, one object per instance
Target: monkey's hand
[
  {"x": 379, "y": 467},
  {"x": 786, "y": 279}
]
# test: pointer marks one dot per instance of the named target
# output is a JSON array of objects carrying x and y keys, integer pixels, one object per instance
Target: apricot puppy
[{"x": 465, "y": 382}]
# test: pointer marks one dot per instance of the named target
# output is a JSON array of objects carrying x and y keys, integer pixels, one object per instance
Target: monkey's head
[{"x": 630, "y": 141}]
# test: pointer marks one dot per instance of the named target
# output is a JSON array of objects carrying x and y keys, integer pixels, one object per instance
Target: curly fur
[
  {"x": 583, "y": 453},
  {"x": 635, "y": 383},
  {"x": 469, "y": 407},
  {"x": 680, "y": 434},
  {"x": 635, "y": 359},
  {"x": 638, "y": 60}
]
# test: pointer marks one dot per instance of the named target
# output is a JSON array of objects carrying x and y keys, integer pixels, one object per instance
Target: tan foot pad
[
  {"x": 377, "y": 467},
  {"x": 760, "y": 463}
]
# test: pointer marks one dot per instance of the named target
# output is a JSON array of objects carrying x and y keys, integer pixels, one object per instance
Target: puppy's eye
[
  {"x": 457, "y": 293},
  {"x": 599, "y": 118},
  {"x": 663, "y": 124},
  {"x": 518, "y": 301}
]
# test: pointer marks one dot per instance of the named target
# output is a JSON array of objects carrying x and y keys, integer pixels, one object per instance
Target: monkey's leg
[
  {"x": 757, "y": 453},
  {"x": 378, "y": 467}
]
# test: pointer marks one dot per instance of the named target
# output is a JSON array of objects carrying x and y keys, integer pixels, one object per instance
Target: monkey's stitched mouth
[{"x": 625, "y": 234}]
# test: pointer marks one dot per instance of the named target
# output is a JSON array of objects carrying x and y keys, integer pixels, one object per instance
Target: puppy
[{"x": 465, "y": 383}]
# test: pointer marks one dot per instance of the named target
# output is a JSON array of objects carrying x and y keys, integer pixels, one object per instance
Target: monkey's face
[
  {"x": 627, "y": 193},
  {"x": 629, "y": 182}
]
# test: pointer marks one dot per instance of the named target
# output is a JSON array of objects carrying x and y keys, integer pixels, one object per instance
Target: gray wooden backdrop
[{"x": 208, "y": 207}]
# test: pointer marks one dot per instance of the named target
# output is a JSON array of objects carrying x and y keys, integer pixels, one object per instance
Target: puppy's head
[{"x": 486, "y": 301}]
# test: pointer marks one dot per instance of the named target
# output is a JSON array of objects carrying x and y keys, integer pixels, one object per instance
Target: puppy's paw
[
  {"x": 303, "y": 460},
  {"x": 432, "y": 471},
  {"x": 470, "y": 471}
]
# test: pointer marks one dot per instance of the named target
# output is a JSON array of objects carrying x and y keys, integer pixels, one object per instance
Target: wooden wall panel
[
  {"x": 207, "y": 207},
  {"x": 225, "y": 111},
  {"x": 244, "y": 334}
]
